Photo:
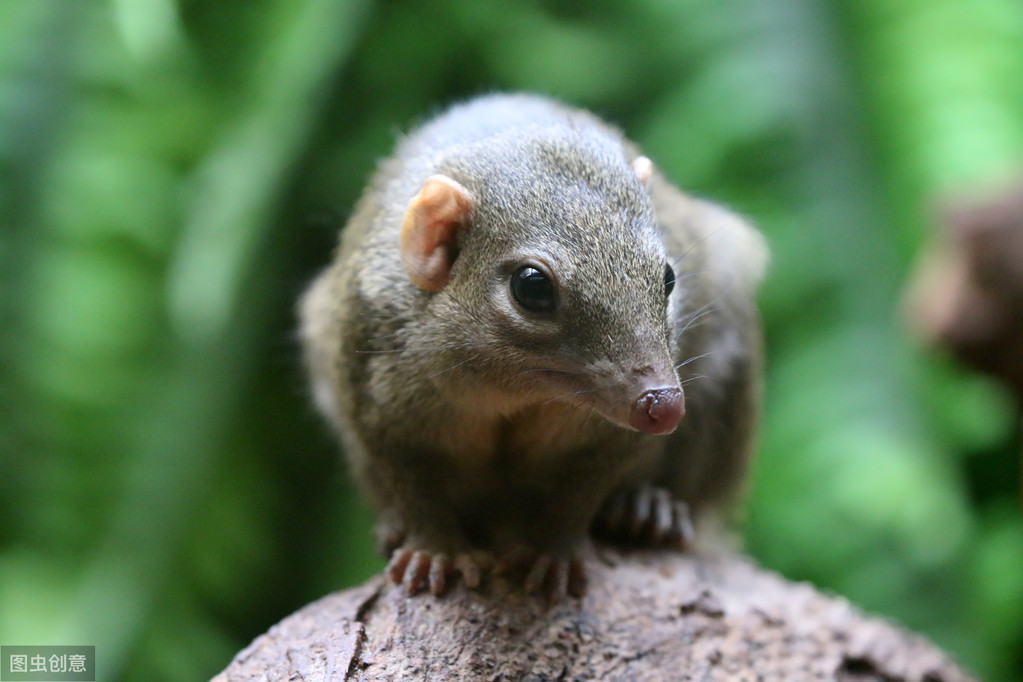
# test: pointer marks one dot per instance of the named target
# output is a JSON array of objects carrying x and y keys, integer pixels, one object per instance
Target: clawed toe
[
  {"x": 552, "y": 576},
  {"x": 645, "y": 516},
  {"x": 417, "y": 570},
  {"x": 548, "y": 575},
  {"x": 411, "y": 568}
]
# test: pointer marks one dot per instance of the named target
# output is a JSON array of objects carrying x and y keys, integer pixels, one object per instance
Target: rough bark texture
[{"x": 646, "y": 616}]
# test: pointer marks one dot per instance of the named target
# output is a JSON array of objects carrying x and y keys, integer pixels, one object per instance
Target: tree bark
[{"x": 646, "y": 616}]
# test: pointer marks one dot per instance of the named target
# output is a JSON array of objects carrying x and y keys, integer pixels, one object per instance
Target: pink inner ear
[
  {"x": 429, "y": 234},
  {"x": 643, "y": 168}
]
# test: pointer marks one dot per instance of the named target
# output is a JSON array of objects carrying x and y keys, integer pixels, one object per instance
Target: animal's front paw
[
  {"x": 645, "y": 516},
  {"x": 418, "y": 569},
  {"x": 551, "y": 575}
]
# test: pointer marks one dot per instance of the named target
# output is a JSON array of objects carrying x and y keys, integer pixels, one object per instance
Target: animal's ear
[
  {"x": 643, "y": 168},
  {"x": 429, "y": 236}
]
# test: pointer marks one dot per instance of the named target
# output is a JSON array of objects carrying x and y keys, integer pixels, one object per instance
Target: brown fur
[{"x": 473, "y": 426}]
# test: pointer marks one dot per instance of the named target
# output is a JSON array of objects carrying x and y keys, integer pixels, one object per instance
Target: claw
[
  {"x": 515, "y": 559},
  {"x": 557, "y": 580},
  {"x": 662, "y": 512},
  {"x": 417, "y": 573},
  {"x": 418, "y": 570},
  {"x": 646, "y": 516},
  {"x": 551, "y": 576},
  {"x": 682, "y": 528},
  {"x": 642, "y": 507},
  {"x": 537, "y": 575},
  {"x": 469, "y": 569},
  {"x": 439, "y": 567},
  {"x": 576, "y": 584},
  {"x": 398, "y": 563}
]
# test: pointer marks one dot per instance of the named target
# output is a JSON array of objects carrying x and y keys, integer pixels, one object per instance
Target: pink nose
[{"x": 658, "y": 411}]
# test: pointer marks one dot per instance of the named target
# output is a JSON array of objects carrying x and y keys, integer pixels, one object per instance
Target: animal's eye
[
  {"x": 533, "y": 289},
  {"x": 669, "y": 280}
]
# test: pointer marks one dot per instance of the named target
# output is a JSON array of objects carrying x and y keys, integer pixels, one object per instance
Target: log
[{"x": 650, "y": 615}]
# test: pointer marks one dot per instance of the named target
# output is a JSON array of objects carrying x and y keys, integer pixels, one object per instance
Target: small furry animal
[{"x": 503, "y": 338}]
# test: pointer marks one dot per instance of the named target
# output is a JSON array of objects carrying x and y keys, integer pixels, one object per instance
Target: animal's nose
[{"x": 658, "y": 411}]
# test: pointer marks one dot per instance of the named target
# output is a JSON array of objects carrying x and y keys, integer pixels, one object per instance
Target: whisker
[
  {"x": 699, "y": 314},
  {"x": 696, "y": 357},
  {"x": 695, "y": 244},
  {"x": 378, "y": 316},
  {"x": 385, "y": 337},
  {"x": 571, "y": 395},
  {"x": 454, "y": 366},
  {"x": 679, "y": 279},
  {"x": 420, "y": 349},
  {"x": 552, "y": 370}
]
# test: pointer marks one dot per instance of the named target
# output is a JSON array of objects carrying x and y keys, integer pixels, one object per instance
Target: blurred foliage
[{"x": 172, "y": 172}]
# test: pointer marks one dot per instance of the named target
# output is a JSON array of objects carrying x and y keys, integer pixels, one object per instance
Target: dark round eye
[
  {"x": 533, "y": 289},
  {"x": 669, "y": 280}
]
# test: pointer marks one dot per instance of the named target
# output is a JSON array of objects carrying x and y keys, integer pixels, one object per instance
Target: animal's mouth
[{"x": 643, "y": 400}]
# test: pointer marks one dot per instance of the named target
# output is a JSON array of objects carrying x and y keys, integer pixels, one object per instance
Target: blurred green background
[{"x": 173, "y": 172}]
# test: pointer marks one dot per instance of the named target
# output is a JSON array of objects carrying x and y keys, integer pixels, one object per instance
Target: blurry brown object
[{"x": 967, "y": 293}]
